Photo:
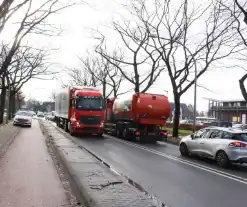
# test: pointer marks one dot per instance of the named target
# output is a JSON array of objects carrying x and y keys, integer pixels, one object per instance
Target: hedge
[{"x": 186, "y": 126}]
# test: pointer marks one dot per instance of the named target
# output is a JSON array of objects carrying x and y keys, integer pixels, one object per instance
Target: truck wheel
[
  {"x": 118, "y": 132},
  {"x": 70, "y": 131},
  {"x": 57, "y": 122},
  {"x": 126, "y": 134},
  {"x": 65, "y": 126}
]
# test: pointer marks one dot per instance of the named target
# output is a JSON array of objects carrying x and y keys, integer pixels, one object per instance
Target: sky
[{"x": 220, "y": 83}]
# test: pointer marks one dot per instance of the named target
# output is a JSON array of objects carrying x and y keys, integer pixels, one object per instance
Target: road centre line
[{"x": 199, "y": 166}]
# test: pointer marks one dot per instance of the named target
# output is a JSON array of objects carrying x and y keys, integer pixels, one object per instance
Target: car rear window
[{"x": 240, "y": 137}]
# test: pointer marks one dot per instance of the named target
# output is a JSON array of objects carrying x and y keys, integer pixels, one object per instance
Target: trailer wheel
[
  {"x": 65, "y": 126},
  {"x": 126, "y": 134},
  {"x": 118, "y": 132},
  {"x": 57, "y": 122},
  {"x": 70, "y": 130}
]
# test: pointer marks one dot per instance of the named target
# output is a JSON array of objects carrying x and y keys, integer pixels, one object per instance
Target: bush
[{"x": 186, "y": 126}]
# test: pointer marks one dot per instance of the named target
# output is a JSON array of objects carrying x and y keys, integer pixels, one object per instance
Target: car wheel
[
  {"x": 183, "y": 149},
  {"x": 222, "y": 159}
]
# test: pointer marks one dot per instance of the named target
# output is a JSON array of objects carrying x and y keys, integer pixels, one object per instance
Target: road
[
  {"x": 28, "y": 176},
  {"x": 176, "y": 181}
]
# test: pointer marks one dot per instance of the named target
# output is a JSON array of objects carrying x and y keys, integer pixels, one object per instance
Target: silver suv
[{"x": 225, "y": 145}]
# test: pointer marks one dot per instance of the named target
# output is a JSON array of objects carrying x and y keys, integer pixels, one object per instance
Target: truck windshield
[{"x": 90, "y": 103}]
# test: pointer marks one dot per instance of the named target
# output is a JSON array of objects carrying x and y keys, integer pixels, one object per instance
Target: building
[{"x": 230, "y": 110}]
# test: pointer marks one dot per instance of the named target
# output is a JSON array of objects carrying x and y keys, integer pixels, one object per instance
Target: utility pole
[{"x": 194, "y": 118}]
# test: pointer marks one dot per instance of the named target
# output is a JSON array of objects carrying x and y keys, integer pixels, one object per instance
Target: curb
[
  {"x": 81, "y": 196},
  {"x": 86, "y": 189},
  {"x": 173, "y": 141},
  {"x": 7, "y": 143}
]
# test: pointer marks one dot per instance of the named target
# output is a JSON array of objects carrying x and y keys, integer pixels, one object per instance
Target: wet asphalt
[{"x": 177, "y": 182}]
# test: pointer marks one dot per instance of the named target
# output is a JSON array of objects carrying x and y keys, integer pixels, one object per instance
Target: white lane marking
[
  {"x": 196, "y": 165},
  {"x": 199, "y": 166}
]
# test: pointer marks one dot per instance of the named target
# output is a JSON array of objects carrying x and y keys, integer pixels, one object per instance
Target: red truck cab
[{"x": 81, "y": 110}]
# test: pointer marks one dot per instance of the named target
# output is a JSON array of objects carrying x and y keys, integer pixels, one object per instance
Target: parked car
[
  {"x": 225, "y": 145},
  {"x": 40, "y": 115},
  {"x": 240, "y": 126},
  {"x": 23, "y": 118},
  {"x": 50, "y": 117}
]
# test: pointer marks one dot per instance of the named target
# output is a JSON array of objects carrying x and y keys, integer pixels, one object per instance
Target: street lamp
[{"x": 195, "y": 93}]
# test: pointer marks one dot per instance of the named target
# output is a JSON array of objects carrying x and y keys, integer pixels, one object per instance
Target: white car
[
  {"x": 41, "y": 115},
  {"x": 224, "y": 145},
  {"x": 23, "y": 118}
]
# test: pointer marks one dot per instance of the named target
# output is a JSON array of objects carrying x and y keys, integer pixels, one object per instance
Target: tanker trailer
[{"x": 140, "y": 116}]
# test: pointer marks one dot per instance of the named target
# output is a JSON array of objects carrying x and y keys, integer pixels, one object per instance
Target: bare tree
[
  {"x": 53, "y": 96},
  {"x": 103, "y": 73},
  {"x": 234, "y": 10},
  {"x": 34, "y": 22},
  {"x": 27, "y": 63},
  {"x": 140, "y": 59},
  {"x": 81, "y": 77},
  {"x": 187, "y": 54},
  {"x": 7, "y": 9}
]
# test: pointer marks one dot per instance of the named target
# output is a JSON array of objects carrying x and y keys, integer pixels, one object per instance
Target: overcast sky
[{"x": 76, "y": 39}]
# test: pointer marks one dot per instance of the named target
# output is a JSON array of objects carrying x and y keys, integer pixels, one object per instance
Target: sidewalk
[
  {"x": 7, "y": 135},
  {"x": 27, "y": 174}
]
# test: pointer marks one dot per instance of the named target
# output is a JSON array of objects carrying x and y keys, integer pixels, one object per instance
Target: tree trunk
[
  {"x": 176, "y": 115},
  {"x": 11, "y": 101},
  {"x": 242, "y": 86},
  {"x": 104, "y": 89},
  {"x": 2, "y": 106},
  {"x": 137, "y": 81},
  {"x": 137, "y": 88},
  {"x": 13, "y": 105}
]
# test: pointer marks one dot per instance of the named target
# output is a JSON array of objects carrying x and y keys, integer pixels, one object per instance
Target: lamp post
[{"x": 195, "y": 93}]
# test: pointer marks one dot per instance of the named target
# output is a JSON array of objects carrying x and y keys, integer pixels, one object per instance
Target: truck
[
  {"x": 140, "y": 116},
  {"x": 80, "y": 110}
]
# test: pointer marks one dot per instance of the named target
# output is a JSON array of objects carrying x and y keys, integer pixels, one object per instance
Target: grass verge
[{"x": 181, "y": 132}]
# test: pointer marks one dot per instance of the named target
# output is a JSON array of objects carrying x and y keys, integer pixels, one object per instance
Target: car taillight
[
  {"x": 237, "y": 144},
  {"x": 138, "y": 133}
]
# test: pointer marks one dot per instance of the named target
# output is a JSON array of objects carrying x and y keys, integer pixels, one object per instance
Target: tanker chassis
[{"x": 139, "y": 117}]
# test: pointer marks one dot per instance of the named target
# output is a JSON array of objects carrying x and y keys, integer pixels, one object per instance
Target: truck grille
[{"x": 90, "y": 120}]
